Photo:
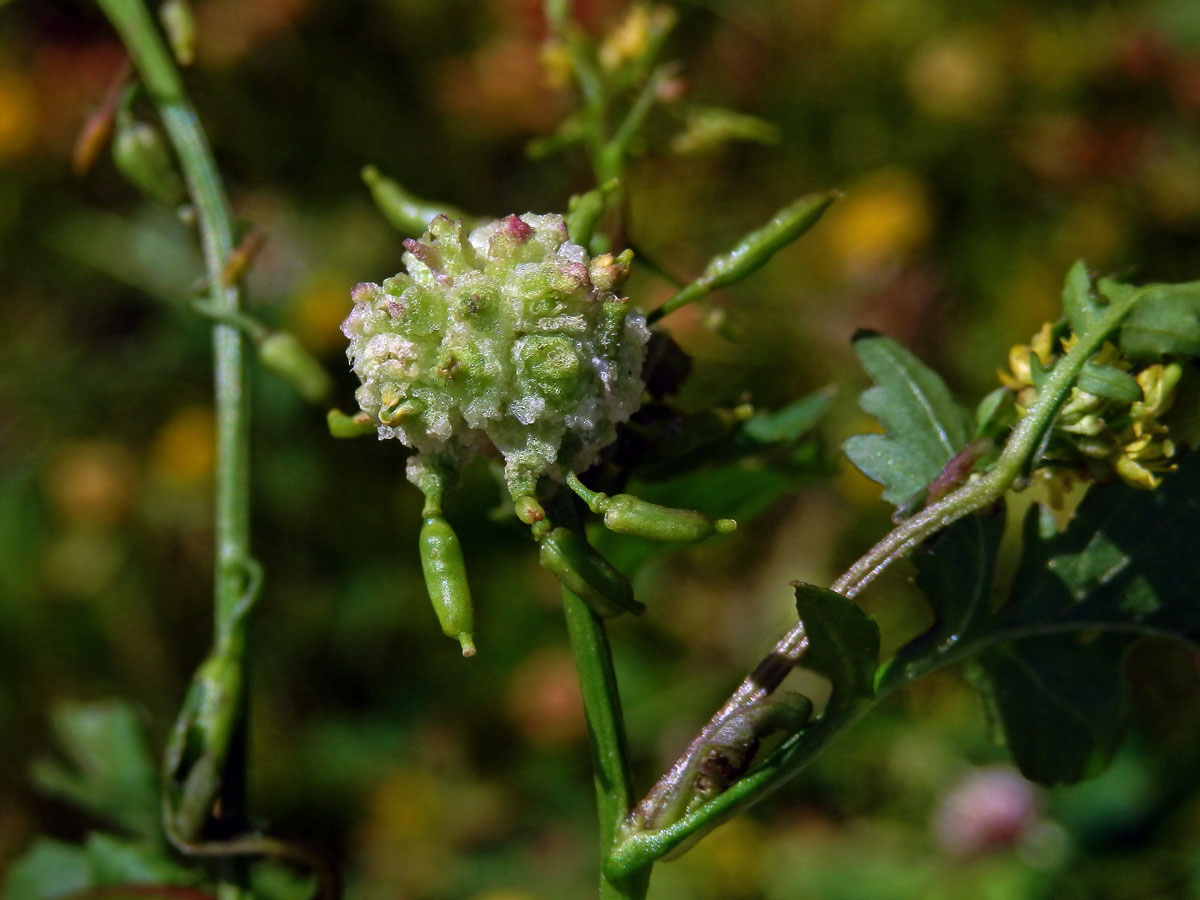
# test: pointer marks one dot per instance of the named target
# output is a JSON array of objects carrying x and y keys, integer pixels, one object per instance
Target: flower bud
[{"x": 140, "y": 153}]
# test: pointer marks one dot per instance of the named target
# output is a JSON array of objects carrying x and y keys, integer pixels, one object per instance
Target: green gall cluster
[{"x": 508, "y": 336}]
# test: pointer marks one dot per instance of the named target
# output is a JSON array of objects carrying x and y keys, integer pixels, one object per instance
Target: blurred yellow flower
[
  {"x": 957, "y": 76},
  {"x": 184, "y": 448},
  {"x": 884, "y": 218},
  {"x": 92, "y": 483},
  {"x": 18, "y": 114},
  {"x": 316, "y": 312}
]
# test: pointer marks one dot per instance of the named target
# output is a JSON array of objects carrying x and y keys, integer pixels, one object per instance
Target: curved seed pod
[
  {"x": 446, "y": 581},
  {"x": 403, "y": 211},
  {"x": 587, "y": 574},
  {"x": 626, "y": 514}
]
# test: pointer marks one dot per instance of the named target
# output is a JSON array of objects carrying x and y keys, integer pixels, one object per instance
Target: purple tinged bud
[
  {"x": 424, "y": 253},
  {"x": 517, "y": 229}
]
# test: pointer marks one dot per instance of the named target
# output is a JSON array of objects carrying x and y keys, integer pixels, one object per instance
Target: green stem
[
  {"x": 234, "y": 586},
  {"x": 642, "y": 839},
  {"x": 606, "y": 728}
]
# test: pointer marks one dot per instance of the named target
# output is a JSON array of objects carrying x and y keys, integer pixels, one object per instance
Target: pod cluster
[{"x": 509, "y": 336}]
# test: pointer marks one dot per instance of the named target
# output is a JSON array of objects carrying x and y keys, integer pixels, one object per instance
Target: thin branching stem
[{"x": 644, "y": 839}]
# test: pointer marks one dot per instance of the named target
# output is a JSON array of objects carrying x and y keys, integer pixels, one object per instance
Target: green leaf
[
  {"x": 116, "y": 860},
  {"x": 48, "y": 869},
  {"x": 925, "y": 425},
  {"x": 1164, "y": 322},
  {"x": 955, "y": 570},
  {"x": 792, "y": 422},
  {"x": 1118, "y": 564},
  {"x": 1078, "y": 600},
  {"x": 1108, "y": 382},
  {"x": 843, "y": 643},
  {"x": 109, "y": 771},
  {"x": 1060, "y": 701},
  {"x": 1078, "y": 300}
]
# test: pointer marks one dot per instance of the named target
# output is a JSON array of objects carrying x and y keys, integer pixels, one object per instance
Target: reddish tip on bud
[
  {"x": 424, "y": 253},
  {"x": 517, "y": 229}
]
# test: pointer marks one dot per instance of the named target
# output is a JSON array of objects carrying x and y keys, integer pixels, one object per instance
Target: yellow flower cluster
[{"x": 1095, "y": 435}]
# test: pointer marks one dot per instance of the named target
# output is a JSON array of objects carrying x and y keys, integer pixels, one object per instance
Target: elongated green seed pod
[
  {"x": 140, "y": 153},
  {"x": 446, "y": 581},
  {"x": 752, "y": 251},
  {"x": 627, "y": 514},
  {"x": 284, "y": 355},
  {"x": 587, "y": 574}
]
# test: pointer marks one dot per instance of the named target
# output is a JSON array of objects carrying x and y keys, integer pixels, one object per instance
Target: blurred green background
[{"x": 982, "y": 147}]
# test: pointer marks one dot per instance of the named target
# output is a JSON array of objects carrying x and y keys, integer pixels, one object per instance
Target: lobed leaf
[
  {"x": 925, "y": 426},
  {"x": 1078, "y": 601}
]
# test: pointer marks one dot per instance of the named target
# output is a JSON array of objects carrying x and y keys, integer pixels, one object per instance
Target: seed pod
[
  {"x": 587, "y": 574},
  {"x": 141, "y": 154},
  {"x": 627, "y": 514},
  {"x": 446, "y": 581},
  {"x": 284, "y": 355},
  {"x": 753, "y": 251},
  {"x": 404, "y": 212}
]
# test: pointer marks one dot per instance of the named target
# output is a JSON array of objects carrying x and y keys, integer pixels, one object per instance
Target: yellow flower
[
  {"x": 1158, "y": 390},
  {"x": 1146, "y": 452}
]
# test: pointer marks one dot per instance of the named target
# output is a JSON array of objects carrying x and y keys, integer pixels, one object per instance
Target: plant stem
[
  {"x": 235, "y": 581},
  {"x": 606, "y": 729},
  {"x": 643, "y": 838}
]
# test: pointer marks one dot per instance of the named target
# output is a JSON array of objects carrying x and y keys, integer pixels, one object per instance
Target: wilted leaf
[{"x": 925, "y": 425}]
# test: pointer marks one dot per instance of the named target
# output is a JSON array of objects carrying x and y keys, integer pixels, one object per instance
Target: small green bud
[
  {"x": 446, "y": 581},
  {"x": 179, "y": 23},
  {"x": 344, "y": 426},
  {"x": 626, "y": 514},
  {"x": 284, "y": 355},
  {"x": 587, "y": 574},
  {"x": 584, "y": 211},
  {"x": 608, "y": 272},
  {"x": 140, "y": 153}
]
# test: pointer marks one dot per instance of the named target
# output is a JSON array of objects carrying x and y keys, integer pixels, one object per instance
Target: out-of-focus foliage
[{"x": 982, "y": 148}]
